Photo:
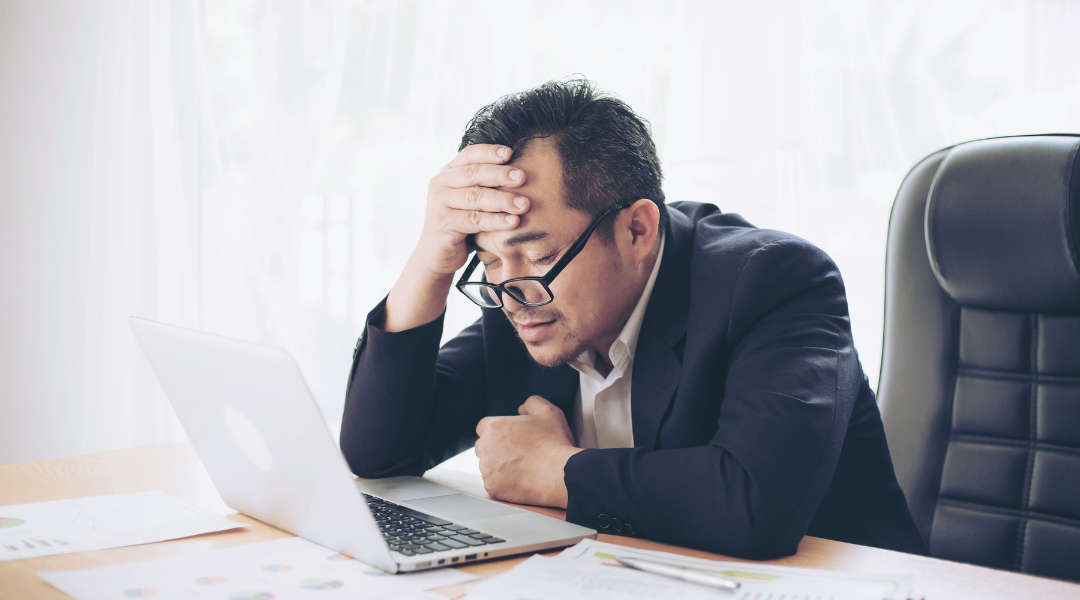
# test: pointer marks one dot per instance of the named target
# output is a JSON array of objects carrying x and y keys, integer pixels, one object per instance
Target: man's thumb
[{"x": 534, "y": 406}]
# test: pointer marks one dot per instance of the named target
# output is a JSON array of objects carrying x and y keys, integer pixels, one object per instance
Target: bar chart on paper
[
  {"x": 19, "y": 538},
  {"x": 98, "y": 522}
]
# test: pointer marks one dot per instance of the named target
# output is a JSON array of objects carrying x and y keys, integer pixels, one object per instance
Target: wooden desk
[{"x": 176, "y": 469}]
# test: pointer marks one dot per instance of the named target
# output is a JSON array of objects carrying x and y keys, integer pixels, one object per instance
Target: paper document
[
  {"x": 280, "y": 569},
  {"x": 588, "y": 570},
  {"x": 543, "y": 578},
  {"x": 98, "y": 522}
]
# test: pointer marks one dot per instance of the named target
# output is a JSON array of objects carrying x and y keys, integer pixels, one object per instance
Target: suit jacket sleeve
[
  {"x": 410, "y": 405},
  {"x": 792, "y": 377}
]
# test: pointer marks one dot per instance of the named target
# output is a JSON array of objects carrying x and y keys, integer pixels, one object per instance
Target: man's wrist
[
  {"x": 563, "y": 494},
  {"x": 418, "y": 297}
]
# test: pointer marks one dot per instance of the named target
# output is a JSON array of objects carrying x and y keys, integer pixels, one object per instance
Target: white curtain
[
  {"x": 100, "y": 197},
  {"x": 802, "y": 116},
  {"x": 144, "y": 225},
  {"x": 259, "y": 168}
]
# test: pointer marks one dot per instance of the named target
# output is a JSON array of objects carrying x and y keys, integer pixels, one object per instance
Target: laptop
[{"x": 254, "y": 423}]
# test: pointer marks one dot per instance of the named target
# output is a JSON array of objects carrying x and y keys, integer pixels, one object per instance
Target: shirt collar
[{"x": 624, "y": 347}]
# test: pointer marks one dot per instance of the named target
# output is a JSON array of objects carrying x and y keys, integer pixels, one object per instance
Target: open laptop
[{"x": 253, "y": 421}]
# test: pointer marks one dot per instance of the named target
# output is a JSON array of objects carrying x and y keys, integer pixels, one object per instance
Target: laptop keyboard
[{"x": 411, "y": 532}]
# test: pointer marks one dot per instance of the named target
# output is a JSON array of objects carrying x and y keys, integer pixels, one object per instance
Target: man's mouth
[{"x": 533, "y": 331}]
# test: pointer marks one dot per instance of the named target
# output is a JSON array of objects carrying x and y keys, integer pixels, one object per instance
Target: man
[{"x": 669, "y": 372}]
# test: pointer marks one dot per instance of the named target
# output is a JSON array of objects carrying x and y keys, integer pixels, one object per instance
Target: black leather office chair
[{"x": 980, "y": 377}]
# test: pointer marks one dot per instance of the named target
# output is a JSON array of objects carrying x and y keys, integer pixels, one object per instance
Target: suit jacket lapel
[{"x": 657, "y": 367}]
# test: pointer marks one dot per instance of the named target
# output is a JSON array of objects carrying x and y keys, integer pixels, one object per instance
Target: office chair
[{"x": 980, "y": 374}]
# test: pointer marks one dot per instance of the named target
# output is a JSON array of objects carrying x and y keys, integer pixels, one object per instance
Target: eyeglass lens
[
  {"x": 525, "y": 291},
  {"x": 528, "y": 291}
]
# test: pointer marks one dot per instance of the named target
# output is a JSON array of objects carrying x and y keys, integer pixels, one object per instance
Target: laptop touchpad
[{"x": 462, "y": 507}]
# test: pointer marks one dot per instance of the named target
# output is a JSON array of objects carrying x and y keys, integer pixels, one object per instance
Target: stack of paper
[
  {"x": 98, "y": 522},
  {"x": 281, "y": 569},
  {"x": 589, "y": 571}
]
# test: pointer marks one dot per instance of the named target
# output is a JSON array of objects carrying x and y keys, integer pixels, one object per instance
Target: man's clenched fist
[{"x": 522, "y": 458}]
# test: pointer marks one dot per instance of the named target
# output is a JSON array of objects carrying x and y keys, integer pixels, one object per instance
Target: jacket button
[
  {"x": 603, "y": 521},
  {"x": 617, "y": 524},
  {"x": 630, "y": 529}
]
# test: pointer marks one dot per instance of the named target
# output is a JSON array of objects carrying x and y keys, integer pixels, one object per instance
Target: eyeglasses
[{"x": 529, "y": 291}]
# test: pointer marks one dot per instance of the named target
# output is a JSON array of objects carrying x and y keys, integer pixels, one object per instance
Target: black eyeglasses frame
[{"x": 544, "y": 280}]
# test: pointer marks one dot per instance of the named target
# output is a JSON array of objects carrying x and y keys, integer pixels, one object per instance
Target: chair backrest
[{"x": 980, "y": 377}]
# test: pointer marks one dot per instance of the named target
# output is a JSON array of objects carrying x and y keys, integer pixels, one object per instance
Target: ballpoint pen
[{"x": 713, "y": 580}]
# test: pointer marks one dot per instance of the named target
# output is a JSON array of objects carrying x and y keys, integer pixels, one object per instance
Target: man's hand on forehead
[
  {"x": 463, "y": 200},
  {"x": 466, "y": 186}
]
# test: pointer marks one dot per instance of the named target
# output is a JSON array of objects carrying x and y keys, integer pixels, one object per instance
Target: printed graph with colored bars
[{"x": 11, "y": 541}]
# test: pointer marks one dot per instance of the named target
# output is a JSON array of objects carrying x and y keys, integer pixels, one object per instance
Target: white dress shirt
[{"x": 602, "y": 409}]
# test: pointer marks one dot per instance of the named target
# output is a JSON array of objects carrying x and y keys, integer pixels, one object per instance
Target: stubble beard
[{"x": 569, "y": 340}]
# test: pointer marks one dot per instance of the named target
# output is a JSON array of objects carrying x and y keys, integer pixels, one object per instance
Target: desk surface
[{"x": 176, "y": 469}]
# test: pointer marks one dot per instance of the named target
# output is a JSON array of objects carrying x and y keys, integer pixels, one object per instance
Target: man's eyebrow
[
  {"x": 517, "y": 240},
  {"x": 525, "y": 238}
]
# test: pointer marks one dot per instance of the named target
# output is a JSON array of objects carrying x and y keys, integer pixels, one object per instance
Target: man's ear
[{"x": 644, "y": 227}]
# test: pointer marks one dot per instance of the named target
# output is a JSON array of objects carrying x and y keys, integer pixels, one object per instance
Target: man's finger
[
  {"x": 475, "y": 221},
  {"x": 481, "y": 153},
  {"x": 483, "y": 198},
  {"x": 482, "y": 425},
  {"x": 535, "y": 405},
  {"x": 480, "y": 174}
]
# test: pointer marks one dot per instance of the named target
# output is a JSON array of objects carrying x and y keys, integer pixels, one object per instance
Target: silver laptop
[{"x": 254, "y": 423}]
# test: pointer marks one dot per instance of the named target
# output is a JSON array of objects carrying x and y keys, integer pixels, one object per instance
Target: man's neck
[{"x": 602, "y": 350}]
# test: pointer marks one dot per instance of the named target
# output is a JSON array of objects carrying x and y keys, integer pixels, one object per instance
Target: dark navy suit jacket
[{"x": 753, "y": 421}]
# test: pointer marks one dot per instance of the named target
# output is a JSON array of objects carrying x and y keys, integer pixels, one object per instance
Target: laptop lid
[{"x": 251, "y": 417}]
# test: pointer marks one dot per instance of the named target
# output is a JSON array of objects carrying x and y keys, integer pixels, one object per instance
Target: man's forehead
[
  {"x": 547, "y": 214},
  {"x": 540, "y": 160}
]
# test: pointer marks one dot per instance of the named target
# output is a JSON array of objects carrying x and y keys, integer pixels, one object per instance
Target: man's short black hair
[{"x": 607, "y": 151}]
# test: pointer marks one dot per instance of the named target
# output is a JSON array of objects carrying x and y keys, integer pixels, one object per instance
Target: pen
[{"x": 713, "y": 580}]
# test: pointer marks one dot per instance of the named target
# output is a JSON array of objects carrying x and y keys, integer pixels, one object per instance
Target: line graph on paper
[
  {"x": 77, "y": 525},
  {"x": 119, "y": 518}
]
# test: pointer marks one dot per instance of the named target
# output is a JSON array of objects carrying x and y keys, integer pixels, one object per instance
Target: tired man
[{"x": 662, "y": 371}]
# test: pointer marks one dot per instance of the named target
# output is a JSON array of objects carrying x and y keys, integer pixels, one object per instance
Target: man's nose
[{"x": 510, "y": 303}]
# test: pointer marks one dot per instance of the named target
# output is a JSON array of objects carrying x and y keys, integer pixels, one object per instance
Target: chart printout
[
  {"x": 99, "y": 522},
  {"x": 280, "y": 569}
]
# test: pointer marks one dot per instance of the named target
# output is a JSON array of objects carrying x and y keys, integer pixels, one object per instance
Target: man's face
[{"x": 593, "y": 294}]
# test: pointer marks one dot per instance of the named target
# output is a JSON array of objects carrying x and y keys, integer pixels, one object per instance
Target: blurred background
[{"x": 259, "y": 168}]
